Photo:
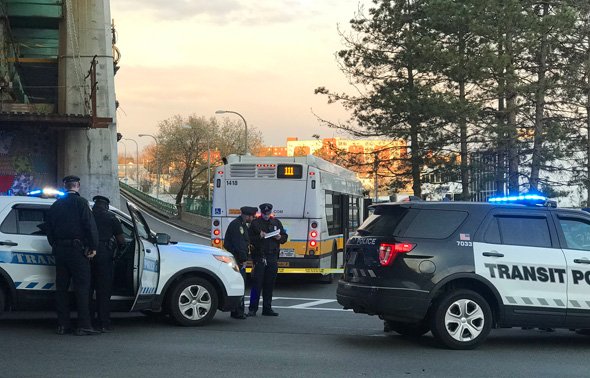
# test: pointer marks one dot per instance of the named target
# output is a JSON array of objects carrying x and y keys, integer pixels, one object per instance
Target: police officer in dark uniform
[
  {"x": 265, "y": 256},
  {"x": 72, "y": 233},
  {"x": 110, "y": 237},
  {"x": 237, "y": 242}
]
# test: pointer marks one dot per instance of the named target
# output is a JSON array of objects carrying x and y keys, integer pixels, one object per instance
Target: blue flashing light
[
  {"x": 522, "y": 198},
  {"x": 46, "y": 192}
]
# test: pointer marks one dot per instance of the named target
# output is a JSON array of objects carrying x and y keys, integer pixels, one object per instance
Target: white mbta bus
[{"x": 319, "y": 203}]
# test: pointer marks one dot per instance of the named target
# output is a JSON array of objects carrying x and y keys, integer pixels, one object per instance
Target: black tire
[
  {"x": 193, "y": 302},
  {"x": 407, "y": 329},
  {"x": 461, "y": 319},
  {"x": 2, "y": 300},
  {"x": 329, "y": 278}
]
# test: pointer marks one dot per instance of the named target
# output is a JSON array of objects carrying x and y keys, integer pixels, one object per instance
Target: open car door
[{"x": 147, "y": 259}]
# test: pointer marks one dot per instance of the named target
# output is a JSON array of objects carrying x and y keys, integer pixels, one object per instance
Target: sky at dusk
[{"x": 260, "y": 58}]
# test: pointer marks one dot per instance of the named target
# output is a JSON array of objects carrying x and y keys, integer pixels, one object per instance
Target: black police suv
[{"x": 459, "y": 269}]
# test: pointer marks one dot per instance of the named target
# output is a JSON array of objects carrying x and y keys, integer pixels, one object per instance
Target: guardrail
[
  {"x": 164, "y": 207},
  {"x": 198, "y": 206}
]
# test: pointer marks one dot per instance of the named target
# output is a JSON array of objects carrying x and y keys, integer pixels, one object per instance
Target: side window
[
  {"x": 9, "y": 224},
  {"x": 576, "y": 233},
  {"x": 525, "y": 231},
  {"x": 24, "y": 222},
  {"x": 492, "y": 234},
  {"x": 435, "y": 224}
]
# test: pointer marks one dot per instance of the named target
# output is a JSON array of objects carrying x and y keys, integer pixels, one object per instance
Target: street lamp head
[
  {"x": 220, "y": 111},
  {"x": 142, "y": 135}
]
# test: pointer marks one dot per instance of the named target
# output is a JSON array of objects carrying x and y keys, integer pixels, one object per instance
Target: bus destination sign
[{"x": 289, "y": 171}]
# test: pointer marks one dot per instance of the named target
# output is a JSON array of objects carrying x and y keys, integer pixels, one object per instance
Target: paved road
[{"x": 312, "y": 337}]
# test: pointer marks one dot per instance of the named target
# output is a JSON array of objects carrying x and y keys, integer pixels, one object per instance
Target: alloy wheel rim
[
  {"x": 194, "y": 302},
  {"x": 464, "y": 320}
]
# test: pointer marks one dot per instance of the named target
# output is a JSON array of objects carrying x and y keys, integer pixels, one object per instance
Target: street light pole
[
  {"x": 136, "y": 161},
  {"x": 157, "y": 162},
  {"x": 245, "y": 126}
]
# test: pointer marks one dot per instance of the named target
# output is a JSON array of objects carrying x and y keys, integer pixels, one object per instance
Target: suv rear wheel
[
  {"x": 461, "y": 319},
  {"x": 193, "y": 302}
]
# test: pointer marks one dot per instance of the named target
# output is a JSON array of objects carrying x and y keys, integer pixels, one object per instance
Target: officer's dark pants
[
  {"x": 263, "y": 279},
  {"x": 72, "y": 265},
  {"x": 239, "y": 311},
  {"x": 102, "y": 283}
]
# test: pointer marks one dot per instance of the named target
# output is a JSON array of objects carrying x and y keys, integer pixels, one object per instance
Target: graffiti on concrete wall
[{"x": 28, "y": 160}]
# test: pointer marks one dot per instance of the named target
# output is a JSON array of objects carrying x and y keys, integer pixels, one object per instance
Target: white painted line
[
  {"x": 304, "y": 306},
  {"x": 314, "y": 303}
]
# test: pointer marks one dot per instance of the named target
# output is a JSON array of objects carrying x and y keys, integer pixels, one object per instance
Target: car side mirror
[{"x": 162, "y": 238}]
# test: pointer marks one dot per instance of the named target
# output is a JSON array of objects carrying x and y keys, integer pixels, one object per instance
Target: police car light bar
[
  {"x": 46, "y": 192},
  {"x": 532, "y": 199}
]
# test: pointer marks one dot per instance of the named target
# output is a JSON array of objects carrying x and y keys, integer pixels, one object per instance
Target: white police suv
[
  {"x": 188, "y": 281},
  {"x": 459, "y": 269}
]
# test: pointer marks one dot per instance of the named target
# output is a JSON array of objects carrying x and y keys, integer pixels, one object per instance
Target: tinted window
[
  {"x": 492, "y": 234},
  {"x": 24, "y": 222},
  {"x": 576, "y": 233},
  {"x": 435, "y": 224},
  {"x": 9, "y": 224},
  {"x": 383, "y": 221},
  {"x": 527, "y": 231}
]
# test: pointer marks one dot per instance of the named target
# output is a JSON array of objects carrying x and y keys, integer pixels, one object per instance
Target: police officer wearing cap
[
  {"x": 237, "y": 242},
  {"x": 72, "y": 233},
  {"x": 110, "y": 237},
  {"x": 265, "y": 256}
]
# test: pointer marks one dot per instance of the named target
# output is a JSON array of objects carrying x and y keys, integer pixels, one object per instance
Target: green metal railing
[
  {"x": 198, "y": 206},
  {"x": 165, "y": 207}
]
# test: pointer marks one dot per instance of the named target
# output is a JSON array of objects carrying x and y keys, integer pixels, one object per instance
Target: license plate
[{"x": 287, "y": 253}]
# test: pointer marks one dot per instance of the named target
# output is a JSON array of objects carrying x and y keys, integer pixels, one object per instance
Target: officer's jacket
[
  {"x": 267, "y": 246},
  {"x": 70, "y": 218},
  {"x": 108, "y": 226},
  {"x": 237, "y": 240}
]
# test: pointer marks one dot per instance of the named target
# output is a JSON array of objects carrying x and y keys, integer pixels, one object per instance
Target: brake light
[
  {"x": 388, "y": 252},
  {"x": 313, "y": 243},
  {"x": 216, "y": 241},
  {"x": 216, "y": 232},
  {"x": 313, "y": 234}
]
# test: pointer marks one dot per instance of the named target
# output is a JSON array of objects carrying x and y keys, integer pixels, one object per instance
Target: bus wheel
[{"x": 329, "y": 278}]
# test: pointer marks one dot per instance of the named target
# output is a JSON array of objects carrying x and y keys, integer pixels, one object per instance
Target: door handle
[
  {"x": 148, "y": 251},
  {"x": 8, "y": 243},
  {"x": 493, "y": 254},
  {"x": 582, "y": 261}
]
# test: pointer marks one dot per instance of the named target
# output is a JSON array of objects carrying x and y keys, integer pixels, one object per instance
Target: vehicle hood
[{"x": 192, "y": 248}]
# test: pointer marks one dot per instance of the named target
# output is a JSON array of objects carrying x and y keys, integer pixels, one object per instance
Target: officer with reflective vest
[
  {"x": 237, "y": 242},
  {"x": 72, "y": 233},
  {"x": 110, "y": 237},
  {"x": 266, "y": 235}
]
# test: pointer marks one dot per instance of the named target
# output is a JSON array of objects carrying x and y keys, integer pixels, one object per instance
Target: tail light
[{"x": 388, "y": 252}]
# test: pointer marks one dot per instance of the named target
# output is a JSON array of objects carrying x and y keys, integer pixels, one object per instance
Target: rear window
[
  {"x": 383, "y": 222},
  {"x": 435, "y": 224}
]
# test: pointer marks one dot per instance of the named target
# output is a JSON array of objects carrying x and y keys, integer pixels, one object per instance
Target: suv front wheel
[
  {"x": 461, "y": 319},
  {"x": 193, "y": 302}
]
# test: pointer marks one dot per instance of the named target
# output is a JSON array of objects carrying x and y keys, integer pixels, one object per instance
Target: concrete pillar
[{"x": 90, "y": 154}]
